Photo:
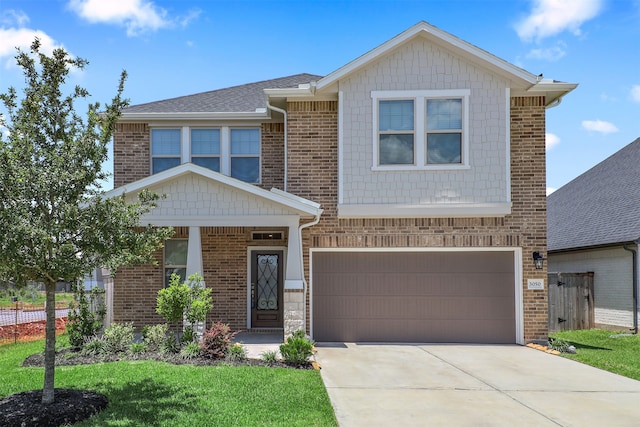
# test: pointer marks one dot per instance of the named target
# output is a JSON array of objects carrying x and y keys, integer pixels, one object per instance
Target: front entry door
[{"x": 266, "y": 289}]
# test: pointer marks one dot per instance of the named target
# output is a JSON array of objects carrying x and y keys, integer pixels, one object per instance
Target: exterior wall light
[{"x": 538, "y": 260}]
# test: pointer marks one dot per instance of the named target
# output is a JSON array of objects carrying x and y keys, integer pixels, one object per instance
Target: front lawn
[
  {"x": 146, "y": 393},
  {"x": 616, "y": 352}
]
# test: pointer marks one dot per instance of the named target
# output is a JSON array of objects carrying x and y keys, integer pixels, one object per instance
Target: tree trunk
[{"x": 50, "y": 344}]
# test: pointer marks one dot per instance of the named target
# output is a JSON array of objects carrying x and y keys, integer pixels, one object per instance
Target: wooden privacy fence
[{"x": 570, "y": 301}]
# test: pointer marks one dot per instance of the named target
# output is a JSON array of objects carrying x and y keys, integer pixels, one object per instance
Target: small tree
[
  {"x": 189, "y": 301},
  {"x": 54, "y": 221}
]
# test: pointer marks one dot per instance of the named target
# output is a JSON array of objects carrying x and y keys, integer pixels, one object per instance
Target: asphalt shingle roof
[
  {"x": 600, "y": 207},
  {"x": 243, "y": 98}
]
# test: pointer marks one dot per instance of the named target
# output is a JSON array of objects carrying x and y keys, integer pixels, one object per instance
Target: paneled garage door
[{"x": 462, "y": 297}]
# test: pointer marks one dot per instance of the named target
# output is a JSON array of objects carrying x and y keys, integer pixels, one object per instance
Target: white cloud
[
  {"x": 599, "y": 126},
  {"x": 635, "y": 93},
  {"x": 14, "y": 17},
  {"x": 552, "y": 54},
  {"x": 551, "y": 17},
  {"x": 550, "y": 190},
  {"x": 12, "y": 38},
  {"x": 551, "y": 141},
  {"x": 138, "y": 16}
]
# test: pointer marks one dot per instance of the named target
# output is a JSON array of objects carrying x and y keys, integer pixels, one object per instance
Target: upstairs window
[
  {"x": 165, "y": 149},
  {"x": 444, "y": 131},
  {"x": 205, "y": 148},
  {"x": 245, "y": 154},
  {"x": 396, "y": 132},
  {"x": 420, "y": 129}
]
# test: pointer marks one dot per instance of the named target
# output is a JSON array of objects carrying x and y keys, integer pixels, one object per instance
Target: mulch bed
[{"x": 71, "y": 406}]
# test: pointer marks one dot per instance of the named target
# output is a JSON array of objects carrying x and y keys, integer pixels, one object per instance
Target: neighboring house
[
  {"x": 590, "y": 222},
  {"x": 399, "y": 198}
]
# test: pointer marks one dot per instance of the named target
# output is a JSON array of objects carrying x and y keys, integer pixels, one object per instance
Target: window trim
[
  {"x": 225, "y": 146},
  {"x": 206, "y": 156},
  {"x": 420, "y": 127}
]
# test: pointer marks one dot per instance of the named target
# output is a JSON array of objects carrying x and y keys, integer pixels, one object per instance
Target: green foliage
[
  {"x": 54, "y": 221},
  {"x": 236, "y": 353},
  {"x": 190, "y": 351},
  {"x": 297, "y": 349},
  {"x": 137, "y": 348},
  {"x": 270, "y": 357},
  {"x": 216, "y": 341},
  {"x": 93, "y": 347},
  {"x": 117, "y": 338},
  {"x": 190, "y": 300},
  {"x": 155, "y": 336},
  {"x": 83, "y": 322},
  {"x": 559, "y": 345}
]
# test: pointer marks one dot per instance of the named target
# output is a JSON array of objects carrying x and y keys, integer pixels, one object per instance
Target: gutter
[
  {"x": 305, "y": 285},
  {"x": 634, "y": 257},
  {"x": 286, "y": 142}
]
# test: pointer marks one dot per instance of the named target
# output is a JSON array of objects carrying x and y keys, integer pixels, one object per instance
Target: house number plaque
[{"x": 535, "y": 284}]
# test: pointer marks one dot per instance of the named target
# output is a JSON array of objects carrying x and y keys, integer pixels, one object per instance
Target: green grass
[
  {"x": 159, "y": 394},
  {"x": 599, "y": 348},
  {"x": 62, "y": 298}
]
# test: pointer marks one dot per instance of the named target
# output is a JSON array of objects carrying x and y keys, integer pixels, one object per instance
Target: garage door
[{"x": 463, "y": 297}]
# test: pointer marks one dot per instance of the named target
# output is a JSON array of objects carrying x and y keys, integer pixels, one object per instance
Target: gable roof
[
  {"x": 521, "y": 80},
  {"x": 289, "y": 202},
  {"x": 247, "y": 99},
  {"x": 600, "y": 207}
]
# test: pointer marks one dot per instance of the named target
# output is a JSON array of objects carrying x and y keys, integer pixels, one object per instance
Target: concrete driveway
[{"x": 471, "y": 385}]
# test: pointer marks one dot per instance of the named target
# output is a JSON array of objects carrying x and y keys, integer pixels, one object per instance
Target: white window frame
[
  {"x": 419, "y": 98},
  {"x": 225, "y": 145},
  {"x": 207, "y": 156}
]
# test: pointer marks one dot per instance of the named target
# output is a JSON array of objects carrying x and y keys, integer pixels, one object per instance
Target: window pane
[
  {"x": 396, "y": 149},
  {"x": 165, "y": 141},
  {"x": 160, "y": 164},
  {"x": 175, "y": 252},
  {"x": 245, "y": 168},
  {"x": 444, "y": 114},
  {"x": 212, "y": 163},
  {"x": 205, "y": 141},
  {"x": 395, "y": 115},
  {"x": 444, "y": 148},
  {"x": 245, "y": 141}
]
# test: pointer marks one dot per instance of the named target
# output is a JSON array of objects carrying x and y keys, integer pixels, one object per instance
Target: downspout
[
  {"x": 634, "y": 257},
  {"x": 304, "y": 280},
  {"x": 286, "y": 142}
]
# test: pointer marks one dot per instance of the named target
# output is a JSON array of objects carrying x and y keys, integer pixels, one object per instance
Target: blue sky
[{"x": 174, "y": 48}]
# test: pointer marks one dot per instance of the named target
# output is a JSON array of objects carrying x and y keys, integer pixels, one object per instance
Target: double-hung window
[
  {"x": 205, "y": 148},
  {"x": 420, "y": 129},
  {"x": 175, "y": 259},
  {"x": 165, "y": 149},
  {"x": 245, "y": 154}
]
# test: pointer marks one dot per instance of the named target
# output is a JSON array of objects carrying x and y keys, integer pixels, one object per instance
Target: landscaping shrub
[
  {"x": 190, "y": 351},
  {"x": 217, "y": 340},
  {"x": 84, "y": 323},
  {"x": 297, "y": 349},
  {"x": 155, "y": 336},
  {"x": 137, "y": 348},
  {"x": 118, "y": 337},
  {"x": 237, "y": 353},
  {"x": 270, "y": 357},
  {"x": 93, "y": 347}
]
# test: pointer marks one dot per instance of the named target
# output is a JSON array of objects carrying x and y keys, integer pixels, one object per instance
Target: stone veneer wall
[{"x": 313, "y": 148}]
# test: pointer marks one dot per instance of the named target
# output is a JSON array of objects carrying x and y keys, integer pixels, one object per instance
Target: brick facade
[
  {"x": 313, "y": 147},
  {"x": 131, "y": 153}
]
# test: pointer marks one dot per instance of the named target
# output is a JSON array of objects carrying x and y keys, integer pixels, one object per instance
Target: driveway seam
[{"x": 491, "y": 386}]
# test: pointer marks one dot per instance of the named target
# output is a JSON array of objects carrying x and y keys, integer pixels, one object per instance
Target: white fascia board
[
  {"x": 441, "y": 36},
  {"x": 259, "y": 114},
  {"x": 221, "y": 221},
  {"x": 290, "y": 201},
  {"x": 458, "y": 210},
  {"x": 296, "y": 198},
  {"x": 306, "y": 90},
  {"x": 553, "y": 91}
]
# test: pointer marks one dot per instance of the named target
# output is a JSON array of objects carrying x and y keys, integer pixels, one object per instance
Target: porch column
[
  {"x": 194, "y": 265},
  {"x": 294, "y": 304}
]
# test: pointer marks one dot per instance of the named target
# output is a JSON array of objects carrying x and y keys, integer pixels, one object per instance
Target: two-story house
[{"x": 399, "y": 198}]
